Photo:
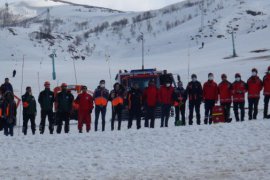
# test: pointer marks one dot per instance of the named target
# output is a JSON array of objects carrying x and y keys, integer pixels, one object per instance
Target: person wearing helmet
[
  {"x": 101, "y": 96},
  {"x": 150, "y": 100},
  {"x": 29, "y": 111},
  {"x": 180, "y": 97},
  {"x": 266, "y": 92},
  {"x": 117, "y": 98},
  {"x": 64, "y": 101},
  {"x": 85, "y": 102},
  {"x": 210, "y": 97},
  {"x": 239, "y": 89},
  {"x": 254, "y": 87},
  {"x": 166, "y": 95},
  {"x": 195, "y": 96},
  {"x": 225, "y": 96},
  {"x": 46, "y": 100}
]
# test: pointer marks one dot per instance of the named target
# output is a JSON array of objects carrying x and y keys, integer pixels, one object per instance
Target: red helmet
[
  {"x": 47, "y": 83},
  {"x": 224, "y": 76},
  {"x": 63, "y": 85}
]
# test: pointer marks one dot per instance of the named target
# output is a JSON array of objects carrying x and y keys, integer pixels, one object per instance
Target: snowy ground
[{"x": 223, "y": 151}]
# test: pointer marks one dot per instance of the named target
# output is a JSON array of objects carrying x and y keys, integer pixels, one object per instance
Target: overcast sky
[{"x": 129, "y": 5}]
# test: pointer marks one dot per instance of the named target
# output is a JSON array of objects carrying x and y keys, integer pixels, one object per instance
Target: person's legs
[
  {"x": 235, "y": 109},
  {"x": 191, "y": 110},
  {"x": 256, "y": 104}
]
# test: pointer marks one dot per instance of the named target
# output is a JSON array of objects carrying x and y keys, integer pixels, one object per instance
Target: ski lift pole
[
  {"x": 142, "y": 36},
  {"x": 109, "y": 64},
  {"x": 20, "y": 116},
  {"x": 233, "y": 43},
  {"x": 52, "y": 56}
]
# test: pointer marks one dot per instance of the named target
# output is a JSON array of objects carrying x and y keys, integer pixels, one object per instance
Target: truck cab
[{"x": 142, "y": 77}]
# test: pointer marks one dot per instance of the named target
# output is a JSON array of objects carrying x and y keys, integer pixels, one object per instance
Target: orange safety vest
[
  {"x": 117, "y": 101},
  {"x": 25, "y": 104},
  {"x": 101, "y": 101},
  {"x": 176, "y": 103},
  {"x": 75, "y": 106}
]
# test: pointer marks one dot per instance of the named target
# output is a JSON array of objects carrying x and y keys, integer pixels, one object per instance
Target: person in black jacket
[
  {"x": 64, "y": 101},
  {"x": 180, "y": 97},
  {"x": 194, "y": 93},
  {"x": 6, "y": 86},
  {"x": 1, "y": 110},
  {"x": 46, "y": 100},
  {"x": 135, "y": 105},
  {"x": 9, "y": 113},
  {"x": 117, "y": 99},
  {"x": 29, "y": 111}
]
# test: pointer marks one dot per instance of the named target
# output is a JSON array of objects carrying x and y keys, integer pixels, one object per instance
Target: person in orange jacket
[
  {"x": 239, "y": 89},
  {"x": 166, "y": 99},
  {"x": 117, "y": 99},
  {"x": 266, "y": 92},
  {"x": 225, "y": 96},
  {"x": 85, "y": 107},
  {"x": 254, "y": 87},
  {"x": 210, "y": 97}
]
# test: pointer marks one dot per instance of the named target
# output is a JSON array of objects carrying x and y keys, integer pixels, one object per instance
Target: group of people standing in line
[{"x": 138, "y": 102}]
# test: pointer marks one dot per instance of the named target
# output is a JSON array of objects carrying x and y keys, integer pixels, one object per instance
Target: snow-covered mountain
[{"x": 91, "y": 31}]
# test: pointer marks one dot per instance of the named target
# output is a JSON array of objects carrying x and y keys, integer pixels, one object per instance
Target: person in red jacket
[
  {"x": 85, "y": 104},
  {"x": 210, "y": 97},
  {"x": 225, "y": 96},
  {"x": 254, "y": 87},
  {"x": 150, "y": 98},
  {"x": 166, "y": 98},
  {"x": 266, "y": 93},
  {"x": 239, "y": 90}
]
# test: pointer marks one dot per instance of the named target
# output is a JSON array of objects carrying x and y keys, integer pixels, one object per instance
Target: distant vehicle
[{"x": 142, "y": 77}]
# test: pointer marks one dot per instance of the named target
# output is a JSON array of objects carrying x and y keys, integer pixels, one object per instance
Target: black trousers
[
  {"x": 150, "y": 115},
  {"x": 208, "y": 105},
  {"x": 180, "y": 110},
  {"x": 236, "y": 107},
  {"x": 227, "y": 111},
  {"x": 134, "y": 113},
  {"x": 8, "y": 129},
  {"x": 62, "y": 117},
  {"x": 26, "y": 118},
  {"x": 253, "y": 108},
  {"x": 44, "y": 114},
  {"x": 196, "y": 106},
  {"x": 165, "y": 114},
  {"x": 266, "y": 104},
  {"x": 117, "y": 111},
  {"x": 100, "y": 110}
]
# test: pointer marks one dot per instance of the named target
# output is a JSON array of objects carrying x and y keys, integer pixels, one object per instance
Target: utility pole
[
  {"x": 202, "y": 17},
  {"x": 233, "y": 43},
  {"x": 142, "y": 38},
  {"x": 6, "y": 15},
  {"x": 52, "y": 56}
]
